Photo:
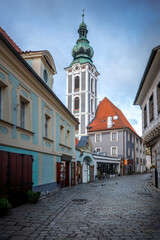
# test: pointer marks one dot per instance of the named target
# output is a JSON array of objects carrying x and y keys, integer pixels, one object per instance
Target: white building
[{"x": 148, "y": 98}]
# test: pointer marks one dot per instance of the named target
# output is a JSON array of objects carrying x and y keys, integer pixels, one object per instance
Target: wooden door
[
  {"x": 73, "y": 173},
  {"x": 15, "y": 176}
]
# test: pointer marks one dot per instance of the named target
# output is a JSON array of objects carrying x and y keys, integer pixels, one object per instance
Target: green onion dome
[{"x": 82, "y": 51}]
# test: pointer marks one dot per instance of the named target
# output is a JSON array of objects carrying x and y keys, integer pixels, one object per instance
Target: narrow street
[{"x": 126, "y": 207}]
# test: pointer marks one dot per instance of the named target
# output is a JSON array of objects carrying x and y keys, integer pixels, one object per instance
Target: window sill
[
  {"x": 25, "y": 130},
  {"x": 62, "y": 144},
  {"x": 9, "y": 123},
  {"x": 48, "y": 139}
]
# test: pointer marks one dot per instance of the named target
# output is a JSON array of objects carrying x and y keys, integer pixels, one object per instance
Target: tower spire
[{"x": 83, "y": 15}]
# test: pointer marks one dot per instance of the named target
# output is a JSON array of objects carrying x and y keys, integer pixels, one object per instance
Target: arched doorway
[{"x": 87, "y": 170}]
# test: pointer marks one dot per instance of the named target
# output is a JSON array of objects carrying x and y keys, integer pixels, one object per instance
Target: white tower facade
[{"x": 82, "y": 78}]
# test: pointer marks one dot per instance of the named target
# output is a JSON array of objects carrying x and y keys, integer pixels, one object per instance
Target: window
[
  {"x": 129, "y": 151},
  {"x": 22, "y": 114},
  {"x": 114, "y": 151},
  {"x": 92, "y": 106},
  {"x": 151, "y": 108},
  {"x": 158, "y": 98},
  {"x": 98, "y": 149},
  {"x": 77, "y": 126},
  {"x": 114, "y": 136},
  {"x": 76, "y": 103},
  {"x": 45, "y": 76},
  {"x": 62, "y": 134},
  {"x": 68, "y": 138},
  {"x": 0, "y": 102},
  {"x": 46, "y": 126},
  {"x": 128, "y": 136},
  {"x": 98, "y": 137},
  {"x": 137, "y": 160},
  {"x": 92, "y": 82},
  {"x": 76, "y": 83},
  {"x": 145, "y": 116}
]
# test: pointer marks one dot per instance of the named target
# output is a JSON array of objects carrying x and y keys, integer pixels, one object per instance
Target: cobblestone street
[{"x": 126, "y": 207}]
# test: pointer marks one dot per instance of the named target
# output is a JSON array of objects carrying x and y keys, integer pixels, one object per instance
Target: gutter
[
  {"x": 150, "y": 61},
  {"x": 12, "y": 49}
]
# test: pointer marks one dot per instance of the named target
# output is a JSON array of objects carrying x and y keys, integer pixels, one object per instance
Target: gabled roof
[
  {"x": 107, "y": 109},
  {"x": 146, "y": 72},
  {"x": 10, "y": 41},
  {"x": 83, "y": 141},
  {"x": 76, "y": 141}
]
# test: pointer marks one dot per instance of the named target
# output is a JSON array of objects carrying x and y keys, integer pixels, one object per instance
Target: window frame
[
  {"x": 116, "y": 148},
  {"x": 76, "y": 105},
  {"x": 151, "y": 108},
  {"x": 76, "y": 83},
  {"x": 100, "y": 137},
  {"x": 111, "y": 136}
]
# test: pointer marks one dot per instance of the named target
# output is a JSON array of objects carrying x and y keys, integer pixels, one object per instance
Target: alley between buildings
[{"x": 124, "y": 207}]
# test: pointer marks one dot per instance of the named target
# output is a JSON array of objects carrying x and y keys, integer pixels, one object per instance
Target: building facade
[
  {"x": 82, "y": 78},
  {"x": 111, "y": 133},
  {"x": 85, "y": 160},
  {"x": 33, "y": 121},
  {"x": 148, "y": 98}
]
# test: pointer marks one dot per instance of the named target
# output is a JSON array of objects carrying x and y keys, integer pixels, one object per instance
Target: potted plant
[
  {"x": 5, "y": 206},
  {"x": 33, "y": 197}
]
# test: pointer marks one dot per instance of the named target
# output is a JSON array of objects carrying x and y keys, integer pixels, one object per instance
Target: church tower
[{"x": 82, "y": 77}]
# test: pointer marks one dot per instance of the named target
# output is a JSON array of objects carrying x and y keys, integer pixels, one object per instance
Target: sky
[{"x": 121, "y": 32}]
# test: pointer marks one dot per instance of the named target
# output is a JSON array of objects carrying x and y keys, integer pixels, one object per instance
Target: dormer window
[{"x": 45, "y": 76}]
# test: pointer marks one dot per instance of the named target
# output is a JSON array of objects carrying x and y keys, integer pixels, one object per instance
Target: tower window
[
  {"x": 76, "y": 103},
  {"x": 45, "y": 76},
  {"x": 92, "y": 85},
  {"x": 92, "y": 110},
  {"x": 76, "y": 83}
]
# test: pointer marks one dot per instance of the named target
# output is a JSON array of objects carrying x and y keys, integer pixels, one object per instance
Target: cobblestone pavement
[{"x": 126, "y": 207}]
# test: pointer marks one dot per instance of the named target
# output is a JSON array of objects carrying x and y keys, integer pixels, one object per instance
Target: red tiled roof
[
  {"x": 105, "y": 109},
  {"x": 76, "y": 141},
  {"x": 10, "y": 40}
]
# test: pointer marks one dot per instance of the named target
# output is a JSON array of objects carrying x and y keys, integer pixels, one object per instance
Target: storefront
[
  {"x": 63, "y": 171},
  {"x": 105, "y": 166}
]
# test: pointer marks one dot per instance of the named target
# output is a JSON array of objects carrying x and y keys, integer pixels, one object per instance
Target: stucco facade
[{"x": 33, "y": 120}]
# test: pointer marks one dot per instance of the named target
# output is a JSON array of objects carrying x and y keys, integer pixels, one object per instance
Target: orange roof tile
[
  {"x": 10, "y": 40},
  {"x": 105, "y": 109},
  {"x": 76, "y": 141}
]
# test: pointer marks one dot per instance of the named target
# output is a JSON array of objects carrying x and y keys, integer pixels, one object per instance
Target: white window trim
[
  {"x": 100, "y": 137},
  {"x": 116, "y": 151},
  {"x": 111, "y": 139}
]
